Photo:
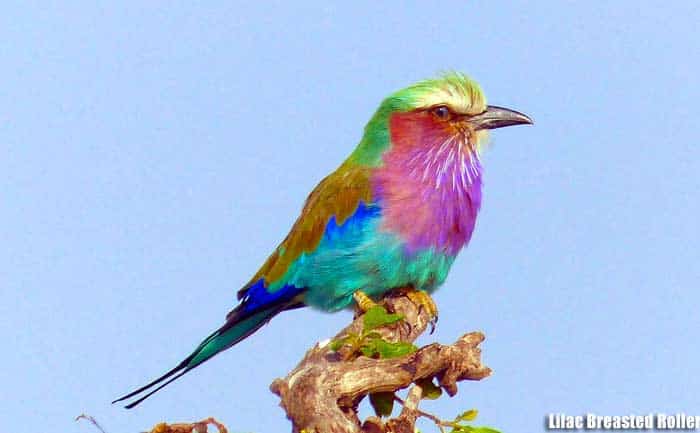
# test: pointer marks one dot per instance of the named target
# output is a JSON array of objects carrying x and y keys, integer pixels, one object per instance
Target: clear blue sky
[{"x": 152, "y": 156}]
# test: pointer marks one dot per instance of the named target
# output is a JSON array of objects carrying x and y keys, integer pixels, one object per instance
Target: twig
[
  {"x": 92, "y": 420},
  {"x": 195, "y": 427},
  {"x": 438, "y": 422}
]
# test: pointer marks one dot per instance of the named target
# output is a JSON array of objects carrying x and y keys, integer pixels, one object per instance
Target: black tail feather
[
  {"x": 255, "y": 320},
  {"x": 179, "y": 367},
  {"x": 184, "y": 365},
  {"x": 134, "y": 403}
]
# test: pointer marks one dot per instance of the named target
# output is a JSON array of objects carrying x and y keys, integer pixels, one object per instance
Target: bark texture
[
  {"x": 195, "y": 427},
  {"x": 322, "y": 393}
]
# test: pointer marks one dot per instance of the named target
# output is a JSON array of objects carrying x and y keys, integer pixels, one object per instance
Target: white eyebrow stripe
[{"x": 455, "y": 101}]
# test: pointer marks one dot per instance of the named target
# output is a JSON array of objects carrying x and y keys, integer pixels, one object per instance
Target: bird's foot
[
  {"x": 423, "y": 300},
  {"x": 363, "y": 301}
]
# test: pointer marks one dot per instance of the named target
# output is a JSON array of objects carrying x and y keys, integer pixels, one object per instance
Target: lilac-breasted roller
[{"x": 395, "y": 214}]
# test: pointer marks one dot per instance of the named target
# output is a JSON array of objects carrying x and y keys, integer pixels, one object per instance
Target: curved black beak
[{"x": 498, "y": 117}]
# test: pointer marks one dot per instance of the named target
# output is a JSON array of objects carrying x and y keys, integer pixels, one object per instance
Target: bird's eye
[{"x": 441, "y": 112}]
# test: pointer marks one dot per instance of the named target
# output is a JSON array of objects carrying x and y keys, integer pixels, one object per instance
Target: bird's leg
[
  {"x": 363, "y": 301},
  {"x": 423, "y": 300}
]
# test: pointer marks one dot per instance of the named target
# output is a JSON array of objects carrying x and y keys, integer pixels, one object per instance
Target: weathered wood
[
  {"x": 322, "y": 393},
  {"x": 195, "y": 427}
]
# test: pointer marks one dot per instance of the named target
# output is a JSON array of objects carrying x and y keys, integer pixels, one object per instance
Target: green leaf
[
  {"x": 340, "y": 342},
  {"x": 372, "y": 334},
  {"x": 377, "y": 316},
  {"x": 376, "y": 347},
  {"x": 484, "y": 430},
  {"x": 469, "y": 415},
  {"x": 393, "y": 350},
  {"x": 337, "y": 344},
  {"x": 382, "y": 402},
  {"x": 430, "y": 390},
  {"x": 369, "y": 350}
]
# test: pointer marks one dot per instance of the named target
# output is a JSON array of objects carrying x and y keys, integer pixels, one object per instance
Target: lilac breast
[{"x": 430, "y": 197}]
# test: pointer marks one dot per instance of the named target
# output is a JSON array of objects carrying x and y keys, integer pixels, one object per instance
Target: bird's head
[{"x": 448, "y": 109}]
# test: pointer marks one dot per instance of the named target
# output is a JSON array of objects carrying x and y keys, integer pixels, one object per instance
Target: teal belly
[{"x": 360, "y": 256}]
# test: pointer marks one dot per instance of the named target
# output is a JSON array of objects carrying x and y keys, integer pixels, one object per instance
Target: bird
[{"x": 394, "y": 214}]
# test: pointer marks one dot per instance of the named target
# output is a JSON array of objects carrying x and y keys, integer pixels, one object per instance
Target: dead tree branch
[{"x": 322, "y": 393}]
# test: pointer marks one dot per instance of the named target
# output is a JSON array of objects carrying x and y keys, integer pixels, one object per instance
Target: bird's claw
[
  {"x": 418, "y": 297},
  {"x": 433, "y": 324},
  {"x": 423, "y": 300},
  {"x": 363, "y": 301}
]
